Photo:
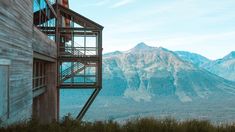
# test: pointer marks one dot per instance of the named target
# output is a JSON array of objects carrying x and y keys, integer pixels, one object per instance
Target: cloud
[
  {"x": 121, "y": 3},
  {"x": 213, "y": 46},
  {"x": 199, "y": 39},
  {"x": 192, "y": 25},
  {"x": 101, "y": 3},
  {"x": 210, "y": 45}
]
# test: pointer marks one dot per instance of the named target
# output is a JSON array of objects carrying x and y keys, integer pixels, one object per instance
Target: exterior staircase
[
  {"x": 71, "y": 71},
  {"x": 80, "y": 57}
]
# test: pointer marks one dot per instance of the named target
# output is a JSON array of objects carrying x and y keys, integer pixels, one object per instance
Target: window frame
[{"x": 39, "y": 74}]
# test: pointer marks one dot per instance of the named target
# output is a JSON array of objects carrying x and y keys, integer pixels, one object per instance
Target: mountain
[
  {"x": 224, "y": 67},
  {"x": 144, "y": 72},
  {"x": 141, "y": 47},
  {"x": 193, "y": 58},
  {"x": 148, "y": 81},
  {"x": 230, "y": 56},
  {"x": 112, "y": 53}
]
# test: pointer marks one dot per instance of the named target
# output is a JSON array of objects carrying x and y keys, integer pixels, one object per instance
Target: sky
[{"x": 206, "y": 27}]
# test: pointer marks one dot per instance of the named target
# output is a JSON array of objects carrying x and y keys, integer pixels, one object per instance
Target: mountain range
[
  {"x": 144, "y": 72},
  {"x": 150, "y": 81},
  {"x": 224, "y": 67}
]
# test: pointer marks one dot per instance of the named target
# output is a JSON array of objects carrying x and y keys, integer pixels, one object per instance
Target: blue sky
[{"x": 206, "y": 27}]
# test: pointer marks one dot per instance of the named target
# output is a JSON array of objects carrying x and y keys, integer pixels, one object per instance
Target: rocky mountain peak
[
  {"x": 142, "y": 46},
  {"x": 231, "y": 55}
]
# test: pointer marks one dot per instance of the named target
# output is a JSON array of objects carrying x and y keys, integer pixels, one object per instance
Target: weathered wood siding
[
  {"x": 43, "y": 45},
  {"x": 4, "y": 72},
  {"x": 16, "y": 22},
  {"x": 19, "y": 40},
  {"x": 45, "y": 105}
]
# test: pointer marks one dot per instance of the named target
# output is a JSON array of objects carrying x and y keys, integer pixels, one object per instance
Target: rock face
[
  {"x": 145, "y": 72},
  {"x": 224, "y": 67},
  {"x": 193, "y": 58}
]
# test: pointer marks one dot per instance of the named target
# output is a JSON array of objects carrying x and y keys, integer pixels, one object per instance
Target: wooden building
[{"x": 44, "y": 47}]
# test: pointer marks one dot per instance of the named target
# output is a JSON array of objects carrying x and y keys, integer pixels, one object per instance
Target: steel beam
[
  {"x": 89, "y": 28},
  {"x": 78, "y": 59},
  {"x": 88, "y": 104},
  {"x": 74, "y": 86}
]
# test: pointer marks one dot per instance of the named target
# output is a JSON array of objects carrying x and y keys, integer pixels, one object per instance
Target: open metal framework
[{"x": 79, "y": 48}]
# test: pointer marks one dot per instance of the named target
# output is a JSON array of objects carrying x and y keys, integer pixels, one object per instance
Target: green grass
[{"x": 136, "y": 125}]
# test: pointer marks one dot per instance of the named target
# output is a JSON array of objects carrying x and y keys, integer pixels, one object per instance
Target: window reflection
[{"x": 44, "y": 18}]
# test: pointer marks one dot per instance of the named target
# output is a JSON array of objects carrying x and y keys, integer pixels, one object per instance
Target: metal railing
[
  {"x": 71, "y": 71},
  {"x": 78, "y": 51}
]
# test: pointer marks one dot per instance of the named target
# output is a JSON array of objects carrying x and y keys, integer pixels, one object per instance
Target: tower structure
[
  {"x": 42, "y": 51},
  {"x": 79, "y": 48}
]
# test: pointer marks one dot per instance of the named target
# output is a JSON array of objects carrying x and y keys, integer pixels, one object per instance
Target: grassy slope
[{"x": 137, "y": 125}]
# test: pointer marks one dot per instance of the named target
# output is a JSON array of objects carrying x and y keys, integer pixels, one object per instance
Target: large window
[
  {"x": 43, "y": 13},
  {"x": 39, "y": 75},
  {"x": 45, "y": 16}
]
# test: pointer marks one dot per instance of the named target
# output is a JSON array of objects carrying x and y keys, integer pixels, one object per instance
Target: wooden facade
[
  {"x": 45, "y": 105},
  {"x": 16, "y": 47},
  {"x": 20, "y": 44}
]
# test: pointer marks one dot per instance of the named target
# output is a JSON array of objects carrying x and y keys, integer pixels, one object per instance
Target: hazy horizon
[
  {"x": 203, "y": 27},
  {"x": 168, "y": 49}
]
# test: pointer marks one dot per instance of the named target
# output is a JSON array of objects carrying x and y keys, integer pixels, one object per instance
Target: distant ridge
[
  {"x": 193, "y": 58},
  {"x": 144, "y": 72},
  {"x": 231, "y": 55},
  {"x": 224, "y": 67}
]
